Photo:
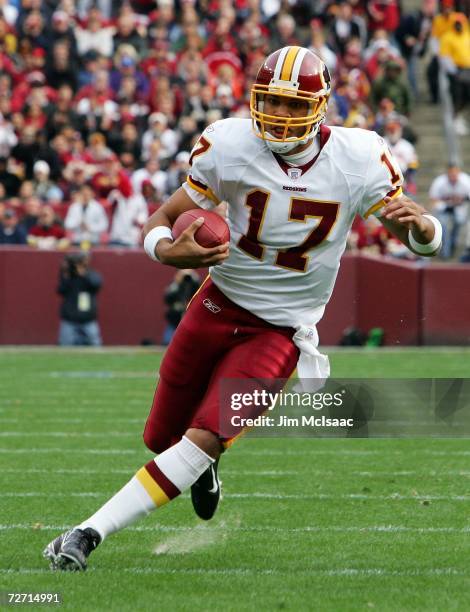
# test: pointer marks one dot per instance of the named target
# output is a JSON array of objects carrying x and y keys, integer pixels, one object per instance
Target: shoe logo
[
  {"x": 211, "y": 306},
  {"x": 215, "y": 484}
]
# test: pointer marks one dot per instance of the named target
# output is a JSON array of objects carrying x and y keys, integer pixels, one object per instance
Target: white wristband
[
  {"x": 153, "y": 238},
  {"x": 430, "y": 247}
]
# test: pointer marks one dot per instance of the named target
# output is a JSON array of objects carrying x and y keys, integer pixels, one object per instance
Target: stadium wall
[{"x": 412, "y": 303}]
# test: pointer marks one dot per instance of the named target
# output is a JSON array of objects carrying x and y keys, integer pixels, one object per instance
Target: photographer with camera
[
  {"x": 177, "y": 297},
  {"x": 79, "y": 285}
]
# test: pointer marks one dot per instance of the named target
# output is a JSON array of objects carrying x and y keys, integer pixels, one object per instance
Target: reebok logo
[{"x": 211, "y": 306}]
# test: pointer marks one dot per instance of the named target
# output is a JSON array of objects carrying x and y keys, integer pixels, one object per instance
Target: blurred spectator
[
  {"x": 368, "y": 235},
  {"x": 126, "y": 65},
  {"x": 177, "y": 297},
  {"x": 95, "y": 102},
  {"x": 164, "y": 20},
  {"x": 62, "y": 28},
  {"x": 61, "y": 113},
  {"x": 165, "y": 98},
  {"x": 33, "y": 87},
  {"x": 455, "y": 59},
  {"x": 44, "y": 188},
  {"x": 127, "y": 33},
  {"x": 197, "y": 101},
  {"x": 97, "y": 152},
  {"x": 159, "y": 130},
  {"x": 61, "y": 68},
  {"x": 391, "y": 85},
  {"x": 221, "y": 40},
  {"x": 105, "y": 6},
  {"x": 111, "y": 176},
  {"x": 450, "y": 196},
  {"x": 151, "y": 172},
  {"x": 11, "y": 232},
  {"x": 285, "y": 32},
  {"x": 27, "y": 149},
  {"x": 412, "y": 36},
  {"x": 90, "y": 64},
  {"x": 79, "y": 286},
  {"x": 32, "y": 25},
  {"x": 387, "y": 113},
  {"x": 405, "y": 154},
  {"x": 48, "y": 233},
  {"x": 31, "y": 208},
  {"x": 188, "y": 129},
  {"x": 346, "y": 27},
  {"x": 8, "y": 138},
  {"x": 383, "y": 14},
  {"x": 76, "y": 174},
  {"x": 127, "y": 140},
  {"x": 96, "y": 35},
  {"x": 442, "y": 23},
  {"x": 86, "y": 219},
  {"x": 318, "y": 45},
  {"x": 9, "y": 180},
  {"x": 9, "y": 11},
  {"x": 178, "y": 171},
  {"x": 379, "y": 51},
  {"x": 128, "y": 215}
]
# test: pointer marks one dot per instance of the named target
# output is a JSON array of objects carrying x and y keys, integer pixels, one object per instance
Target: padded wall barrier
[{"x": 413, "y": 303}]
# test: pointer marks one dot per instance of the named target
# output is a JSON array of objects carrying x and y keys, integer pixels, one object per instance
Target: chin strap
[{"x": 282, "y": 147}]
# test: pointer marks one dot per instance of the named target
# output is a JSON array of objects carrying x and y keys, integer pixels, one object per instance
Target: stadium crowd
[{"x": 101, "y": 102}]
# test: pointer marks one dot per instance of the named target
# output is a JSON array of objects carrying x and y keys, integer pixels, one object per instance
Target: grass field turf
[{"x": 304, "y": 524}]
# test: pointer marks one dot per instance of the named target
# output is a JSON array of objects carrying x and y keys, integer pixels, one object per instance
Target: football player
[{"x": 293, "y": 187}]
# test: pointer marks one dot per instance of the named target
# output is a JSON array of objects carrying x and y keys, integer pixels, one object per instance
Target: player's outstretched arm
[
  {"x": 413, "y": 225},
  {"x": 184, "y": 252}
]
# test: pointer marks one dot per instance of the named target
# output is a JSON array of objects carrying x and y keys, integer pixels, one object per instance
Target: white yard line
[
  {"x": 247, "y": 452},
  {"x": 66, "y": 434},
  {"x": 68, "y": 451},
  {"x": 347, "y": 572},
  {"x": 77, "y": 350},
  {"x": 343, "y": 451},
  {"x": 274, "y": 473},
  {"x": 269, "y": 496},
  {"x": 126, "y": 434},
  {"x": 74, "y": 421},
  {"x": 260, "y": 529}
]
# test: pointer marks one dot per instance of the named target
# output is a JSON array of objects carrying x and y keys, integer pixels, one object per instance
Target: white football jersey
[{"x": 288, "y": 225}]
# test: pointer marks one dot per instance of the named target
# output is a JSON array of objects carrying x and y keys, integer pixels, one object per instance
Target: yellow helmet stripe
[{"x": 288, "y": 65}]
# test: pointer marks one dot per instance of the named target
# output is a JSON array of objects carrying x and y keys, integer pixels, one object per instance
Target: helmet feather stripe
[
  {"x": 286, "y": 72},
  {"x": 280, "y": 62},
  {"x": 297, "y": 64}
]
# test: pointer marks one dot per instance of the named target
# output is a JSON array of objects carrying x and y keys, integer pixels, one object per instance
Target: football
[{"x": 214, "y": 232}]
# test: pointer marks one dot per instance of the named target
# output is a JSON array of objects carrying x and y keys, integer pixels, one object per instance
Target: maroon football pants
[{"x": 216, "y": 339}]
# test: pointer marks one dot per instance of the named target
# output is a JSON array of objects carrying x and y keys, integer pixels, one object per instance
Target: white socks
[{"x": 155, "y": 484}]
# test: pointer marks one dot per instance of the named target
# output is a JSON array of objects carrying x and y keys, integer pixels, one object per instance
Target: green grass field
[{"x": 304, "y": 524}]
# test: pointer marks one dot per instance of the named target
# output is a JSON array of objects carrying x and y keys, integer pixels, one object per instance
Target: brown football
[{"x": 213, "y": 233}]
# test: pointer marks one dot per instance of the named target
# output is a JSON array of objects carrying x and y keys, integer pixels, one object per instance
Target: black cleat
[
  {"x": 70, "y": 550},
  {"x": 205, "y": 493}
]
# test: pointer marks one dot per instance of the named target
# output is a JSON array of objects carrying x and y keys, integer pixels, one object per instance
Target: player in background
[{"x": 293, "y": 187}]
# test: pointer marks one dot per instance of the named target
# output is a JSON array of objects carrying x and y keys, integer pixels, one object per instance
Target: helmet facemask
[{"x": 264, "y": 124}]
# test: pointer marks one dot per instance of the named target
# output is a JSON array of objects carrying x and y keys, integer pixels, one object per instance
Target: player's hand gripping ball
[{"x": 214, "y": 231}]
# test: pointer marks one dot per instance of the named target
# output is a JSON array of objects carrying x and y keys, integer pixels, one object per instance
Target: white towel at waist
[{"x": 313, "y": 368}]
